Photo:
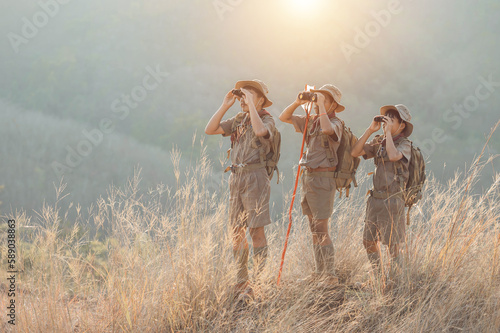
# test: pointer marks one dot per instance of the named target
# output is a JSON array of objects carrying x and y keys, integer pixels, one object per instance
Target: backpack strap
[
  {"x": 240, "y": 118},
  {"x": 270, "y": 164},
  {"x": 408, "y": 215},
  {"x": 399, "y": 169},
  {"x": 326, "y": 143},
  {"x": 259, "y": 143},
  {"x": 309, "y": 131},
  {"x": 377, "y": 159}
]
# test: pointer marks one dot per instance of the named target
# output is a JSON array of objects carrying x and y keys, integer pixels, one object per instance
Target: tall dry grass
[{"x": 166, "y": 265}]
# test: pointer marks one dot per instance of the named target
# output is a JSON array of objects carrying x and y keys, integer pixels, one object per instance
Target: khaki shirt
[
  {"x": 385, "y": 178},
  {"x": 246, "y": 149},
  {"x": 316, "y": 153}
]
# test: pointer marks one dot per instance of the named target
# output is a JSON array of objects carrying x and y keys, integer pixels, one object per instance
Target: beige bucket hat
[
  {"x": 333, "y": 91},
  {"x": 257, "y": 84},
  {"x": 404, "y": 113}
]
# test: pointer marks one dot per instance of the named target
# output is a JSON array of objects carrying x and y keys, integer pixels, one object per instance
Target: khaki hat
[
  {"x": 257, "y": 84},
  {"x": 333, "y": 91},
  {"x": 404, "y": 113}
]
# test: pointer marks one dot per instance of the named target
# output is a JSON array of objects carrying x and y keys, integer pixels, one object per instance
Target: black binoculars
[
  {"x": 308, "y": 96},
  {"x": 237, "y": 92},
  {"x": 379, "y": 119}
]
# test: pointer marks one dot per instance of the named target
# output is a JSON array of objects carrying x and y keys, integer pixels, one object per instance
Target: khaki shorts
[
  {"x": 318, "y": 194},
  {"x": 385, "y": 220},
  {"x": 249, "y": 193}
]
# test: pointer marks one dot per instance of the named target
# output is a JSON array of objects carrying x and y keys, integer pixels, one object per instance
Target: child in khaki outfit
[
  {"x": 249, "y": 183},
  {"x": 319, "y": 163},
  {"x": 385, "y": 219}
]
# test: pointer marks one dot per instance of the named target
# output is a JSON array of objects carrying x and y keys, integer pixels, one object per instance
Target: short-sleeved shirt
[
  {"x": 245, "y": 148},
  {"x": 316, "y": 153},
  {"x": 385, "y": 178}
]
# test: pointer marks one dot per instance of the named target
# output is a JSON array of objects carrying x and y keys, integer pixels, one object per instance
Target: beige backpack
[{"x": 347, "y": 165}]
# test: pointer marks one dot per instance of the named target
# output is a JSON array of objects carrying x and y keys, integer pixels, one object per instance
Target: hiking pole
[{"x": 294, "y": 193}]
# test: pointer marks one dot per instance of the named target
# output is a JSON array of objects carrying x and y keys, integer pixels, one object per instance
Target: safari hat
[
  {"x": 333, "y": 91},
  {"x": 404, "y": 113},
  {"x": 257, "y": 84}
]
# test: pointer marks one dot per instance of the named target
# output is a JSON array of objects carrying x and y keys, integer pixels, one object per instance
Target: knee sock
[
  {"x": 328, "y": 256},
  {"x": 374, "y": 259},
  {"x": 396, "y": 267},
  {"x": 241, "y": 257},
  {"x": 259, "y": 259},
  {"x": 318, "y": 259}
]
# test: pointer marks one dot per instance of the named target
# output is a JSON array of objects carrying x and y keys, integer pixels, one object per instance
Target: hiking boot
[
  {"x": 239, "y": 287},
  {"x": 244, "y": 292},
  {"x": 246, "y": 295},
  {"x": 328, "y": 281},
  {"x": 311, "y": 278},
  {"x": 390, "y": 286},
  {"x": 359, "y": 285}
]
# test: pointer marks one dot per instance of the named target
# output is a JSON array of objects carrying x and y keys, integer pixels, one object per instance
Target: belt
[
  {"x": 384, "y": 195},
  {"x": 331, "y": 169},
  {"x": 244, "y": 167},
  {"x": 326, "y": 172}
]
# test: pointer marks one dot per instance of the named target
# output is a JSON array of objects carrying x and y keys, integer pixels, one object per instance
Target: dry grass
[{"x": 166, "y": 266}]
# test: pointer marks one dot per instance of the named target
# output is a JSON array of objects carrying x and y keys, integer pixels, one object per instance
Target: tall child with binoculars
[
  {"x": 323, "y": 137},
  {"x": 251, "y": 134}
]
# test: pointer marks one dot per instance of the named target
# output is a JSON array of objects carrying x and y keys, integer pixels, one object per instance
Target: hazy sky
[{"x": 78, "y": 61}]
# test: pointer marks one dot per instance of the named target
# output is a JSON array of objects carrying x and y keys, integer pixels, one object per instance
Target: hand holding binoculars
[
  {"x": 238, "y": 92},
  {"x": 308, "y": 96}
]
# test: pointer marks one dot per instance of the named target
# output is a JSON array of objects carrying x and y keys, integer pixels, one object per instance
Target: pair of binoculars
[
  {"x": 308, "y": 96},
  {"x": 238, "y": 92},
  {"x": 379, "y": 119}
]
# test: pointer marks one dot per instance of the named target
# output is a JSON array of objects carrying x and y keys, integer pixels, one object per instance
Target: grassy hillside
[{"x": 166, "y": 266}]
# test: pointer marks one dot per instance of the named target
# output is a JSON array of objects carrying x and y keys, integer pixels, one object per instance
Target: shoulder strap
[
  {"x": 399, "y": 169},
  {"x": 377, "y": 157},
  {"x": 237, "y": 121},
  {"x": 269, "y": 160},
  {"x": 259, "y": 141},
  {"x": 326, "y": 142}
]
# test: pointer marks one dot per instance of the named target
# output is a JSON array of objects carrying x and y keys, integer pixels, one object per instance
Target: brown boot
[
  {"x": 374, "y": 259},
  {"x": 328, "y": 277},
  {"x": 243, "y": 291},
  {"x": 395, "y": 272},
  {"x": 241, "y": 258},
  {"x": 259, "y": 260},
  {"x": 328, "y": 281},
  {"x": 311, "y": 278}
]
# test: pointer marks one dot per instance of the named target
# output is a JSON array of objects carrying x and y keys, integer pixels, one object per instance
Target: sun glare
[
  {"x": 308, "y": 8},
  {"x": 304, "y": 5}
]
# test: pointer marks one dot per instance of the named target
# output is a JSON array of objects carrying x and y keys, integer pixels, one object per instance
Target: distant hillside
[
  {"x": 39, "y": 148},
  {"x": 432, "y": 57},
  {"x": 33, "y": 141}
]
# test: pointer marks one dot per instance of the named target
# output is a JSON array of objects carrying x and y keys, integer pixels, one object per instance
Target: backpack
[
  {"x": 271, "y": 159},
  {"x": 412, "y": 192},
  {"x": 347, "y": 165}
]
